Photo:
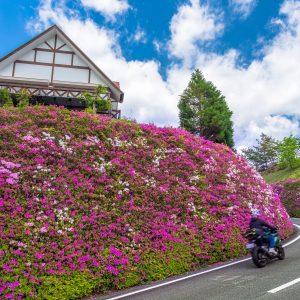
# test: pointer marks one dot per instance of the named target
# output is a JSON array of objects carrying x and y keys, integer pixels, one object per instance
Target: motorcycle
[{"x": 258, "y": 244}]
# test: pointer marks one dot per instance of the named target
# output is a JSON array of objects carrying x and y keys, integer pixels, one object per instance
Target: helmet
[{"x": 255, "y": 212}]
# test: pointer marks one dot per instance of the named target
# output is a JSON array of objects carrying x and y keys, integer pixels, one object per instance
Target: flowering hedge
[
  {"x": 289, "y": 193},
  {"x": 88, "y": 203}
]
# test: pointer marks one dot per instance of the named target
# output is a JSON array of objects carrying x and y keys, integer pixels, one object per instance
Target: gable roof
[{"x": 14, "y": 55}]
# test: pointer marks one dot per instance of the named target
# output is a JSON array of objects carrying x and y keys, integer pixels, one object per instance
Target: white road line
[
  {"x": 178, "y": 279},
  {"x": 191, "y": 276},
  {"x": 284, "y": 286},
  {"x": 294, "y": 240}
]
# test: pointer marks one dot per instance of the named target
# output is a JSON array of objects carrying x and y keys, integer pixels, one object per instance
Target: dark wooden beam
[
  {"x": 52, "y": 50},
  {"x": 14, "y": 69},
  {"x": 61, "y": 46},
  {"x": 50, "y": 64},
  {"x": 49, "y": 45},
  {"x": 53, "y": 62}
]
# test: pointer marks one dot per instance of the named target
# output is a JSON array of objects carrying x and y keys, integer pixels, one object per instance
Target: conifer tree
[
  {"x": 203, "y": 111},
  {"x": 264, "y": 154}
]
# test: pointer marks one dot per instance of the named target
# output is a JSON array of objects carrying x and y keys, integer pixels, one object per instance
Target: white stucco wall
[
  {"x": 71, "y": 75},
  {"x": 51, "y": 42},
  {"x": 78, "y": 62},
  {"x": 59, "y": 43},
  {"x": 28, "y": 56},
  {"x": 114, "y": 105},
  {"x": 95, "y": 79},
  {"x": 7, "y": 71},
  {"x": 63, "y": 58},
  {"x": 46, "y": 57},
  {"x": 33, "y": 71},
  {"x": 43, "y": 46},
  {"x": 66, "y": 48}
]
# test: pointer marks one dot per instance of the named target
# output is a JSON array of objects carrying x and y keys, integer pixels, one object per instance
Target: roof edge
[
  {"x": 91, "y": 62},
  {"x": 27, "y": 43},
  {"x": 76, "y": 47}
]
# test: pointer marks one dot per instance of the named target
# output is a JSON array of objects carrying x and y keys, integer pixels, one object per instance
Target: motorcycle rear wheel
[
  {"x": 281, "y": 253},
  {"x": 259, "y": 257}
]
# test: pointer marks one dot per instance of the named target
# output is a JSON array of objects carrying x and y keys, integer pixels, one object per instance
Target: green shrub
[
  {"x": 5, "y": 98},
  {"x": 73, "y": 286},
  {"x": 159, "y": 265},
  {"x": 23, "y": 97},
  {"x": 130, "y": 279}
]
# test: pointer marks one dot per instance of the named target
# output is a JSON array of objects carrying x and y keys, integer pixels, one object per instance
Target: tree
[
  {"x": 264, "y": 154},
  {"x": 289, "y": 152},
  {"x": 253, "y": 156},
  {"x": 5, "y": 98},
  {"x": 23, "y": 97},
  {"x": 203, "y": 111},
  {"x": 97, "y": 102}
]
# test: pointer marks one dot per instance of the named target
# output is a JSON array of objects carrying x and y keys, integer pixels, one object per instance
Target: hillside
[
  {"x": 286, "y": 183},
  {"x": 281, "y": 175},
  {"x": 89, "y": 204}
]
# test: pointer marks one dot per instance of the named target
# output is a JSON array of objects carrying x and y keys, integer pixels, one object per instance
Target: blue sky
[{"x": 245, "y": 47}]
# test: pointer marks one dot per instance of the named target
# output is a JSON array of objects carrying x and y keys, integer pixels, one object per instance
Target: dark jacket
[{"x": 259, "y": 224}]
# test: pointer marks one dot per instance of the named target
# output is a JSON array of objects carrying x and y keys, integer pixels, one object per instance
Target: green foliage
[
  {"x": 130, "y": 279},
  {"x": 25, "y": 286},
  {"x": 89, "y": 110},
  {"x": 281, "y": 175},
  {"x": 97, "y": 102},
  {"x": 264, "y": 154},
  {"x": 23, "y": 97},
  {"x": 5, "y": 98},
  {"x": 269, "y": 153},
  {"x": 203, "y": 111},
  {"x": 289, "y": 152},
  {"x": 159, "y": 265},
  {"x": 73, "y": 286}
]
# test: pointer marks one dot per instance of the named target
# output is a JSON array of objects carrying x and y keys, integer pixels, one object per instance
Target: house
[{"x": 55, "y": 71}]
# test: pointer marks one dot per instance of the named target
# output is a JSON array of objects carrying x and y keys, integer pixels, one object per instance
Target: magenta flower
[{"x": 99, "y": 198}]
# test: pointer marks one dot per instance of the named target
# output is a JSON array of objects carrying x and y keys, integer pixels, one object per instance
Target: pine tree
[
  {"x": 264, "y": 154},
  {"x": 203, "y": 111}
]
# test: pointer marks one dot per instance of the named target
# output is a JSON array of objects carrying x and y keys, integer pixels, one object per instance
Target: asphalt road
[{"x": 237, "y": 281}]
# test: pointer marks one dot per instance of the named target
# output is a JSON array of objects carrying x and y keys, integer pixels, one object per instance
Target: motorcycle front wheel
[
  {"x": 281, "y": 253},
  {"x": 259, "y": 257}
]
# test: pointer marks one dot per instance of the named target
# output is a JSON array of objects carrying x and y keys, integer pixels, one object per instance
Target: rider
[{"x": 261, "y": 226}]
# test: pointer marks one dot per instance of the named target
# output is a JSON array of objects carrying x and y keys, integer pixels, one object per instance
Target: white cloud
[
  {"x": 259, "y": 95},
  {"x": 157, "y": 45},
  {"x": 109, "y": 8},
  {"x": 192, "y": 23},
  {"x": 266, "y": 87},
  {"x": 275, "y": 126},
  {"x": 147, "y": 96},
  {"x": 243, "y": 7},
  {"x": 97, "y": 41},
  {"x": 140, "y": 36}
]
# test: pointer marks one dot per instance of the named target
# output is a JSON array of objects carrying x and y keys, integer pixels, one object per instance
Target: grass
[{"x": 281, "y": 175}]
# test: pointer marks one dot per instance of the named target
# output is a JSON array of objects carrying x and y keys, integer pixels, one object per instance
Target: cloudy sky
[{"x": 250, "y": 50}]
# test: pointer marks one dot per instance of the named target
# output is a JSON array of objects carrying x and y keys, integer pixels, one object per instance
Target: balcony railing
[{"x": 60, "y": 94}]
